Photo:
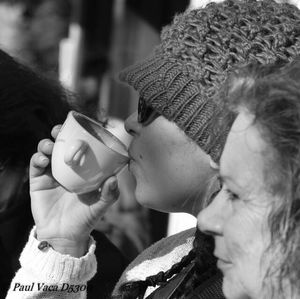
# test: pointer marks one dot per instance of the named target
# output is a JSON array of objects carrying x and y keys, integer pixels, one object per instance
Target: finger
[
  {"x": 45, "y": 146},
  {"x": 108, "y": 195},
  {"x": 38, "y": 164},
  {"x": 75, "y": 152},
  {"x": 55, "y": 131}
]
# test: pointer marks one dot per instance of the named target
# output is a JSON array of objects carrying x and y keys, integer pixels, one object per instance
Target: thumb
[{"x": 108, "y": 195}]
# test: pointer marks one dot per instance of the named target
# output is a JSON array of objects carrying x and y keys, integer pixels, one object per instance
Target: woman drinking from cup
[
  {"x": 175, "y": 143},
  {"x": 255, "y": 217}
]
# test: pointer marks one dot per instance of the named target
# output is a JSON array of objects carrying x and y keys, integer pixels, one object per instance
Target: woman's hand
[{"x": 63, "y": 219}]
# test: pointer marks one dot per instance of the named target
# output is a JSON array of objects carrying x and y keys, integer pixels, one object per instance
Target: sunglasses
[{"x": 146, "y": 114}]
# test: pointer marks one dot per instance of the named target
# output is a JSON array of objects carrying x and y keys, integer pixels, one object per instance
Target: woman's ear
[{"x": 213, "y": 164}]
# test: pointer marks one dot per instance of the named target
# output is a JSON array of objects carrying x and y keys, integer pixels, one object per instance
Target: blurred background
[{"x": 85, "y": 43}]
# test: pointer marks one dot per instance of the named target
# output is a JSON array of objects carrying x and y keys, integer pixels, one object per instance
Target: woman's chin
[
  {"x": 233, "y": 289},
  {"x": 149, "y": 202}
]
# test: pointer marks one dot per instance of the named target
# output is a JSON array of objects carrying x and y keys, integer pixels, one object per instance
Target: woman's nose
[
  {"x": 211, "y": 220},
  {"x": 132, "y": 126}
]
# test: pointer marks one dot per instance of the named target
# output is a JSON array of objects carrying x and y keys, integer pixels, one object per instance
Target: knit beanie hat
[{"x": 181, "y": 78}]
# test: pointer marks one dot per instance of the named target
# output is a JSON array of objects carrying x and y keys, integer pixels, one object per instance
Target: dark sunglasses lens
[
  {"x": 144, "y": 111},
  {"x": 141, "y": 105}
]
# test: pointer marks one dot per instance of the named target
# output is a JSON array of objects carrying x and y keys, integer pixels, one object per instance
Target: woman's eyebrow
[
  {"x": 228, "y": 180},
  {"x": 223, "y": 176}
]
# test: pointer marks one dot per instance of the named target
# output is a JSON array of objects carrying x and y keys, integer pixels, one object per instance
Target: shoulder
[
  {"x": 160, "y": 256},
  {"x": 167, "y": 244}
]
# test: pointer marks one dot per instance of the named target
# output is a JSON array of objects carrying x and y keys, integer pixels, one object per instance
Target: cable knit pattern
[
  {"x": 161, "y": 256},
  {"x": 50, "y": 268},
  {"x": 183, "y": 75}
]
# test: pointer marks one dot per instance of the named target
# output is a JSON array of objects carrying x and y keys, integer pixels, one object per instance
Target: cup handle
[{"x": 74, "y": 152}]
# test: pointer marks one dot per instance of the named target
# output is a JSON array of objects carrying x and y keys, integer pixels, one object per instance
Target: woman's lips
[
  {"x": 223, "y": 265},
  {"x": 223, "y": 262},
  {"x": 130, "y": 154},
  {"x": 130, "y": 163}
]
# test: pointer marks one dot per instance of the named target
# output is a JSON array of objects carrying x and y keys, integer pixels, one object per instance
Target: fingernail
[
  {"x": 113, "y": 185},
  {"x": 43, "y": 159}
]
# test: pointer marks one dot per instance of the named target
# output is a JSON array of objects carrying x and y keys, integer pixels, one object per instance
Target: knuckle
[{"x": 34, "y": 158}]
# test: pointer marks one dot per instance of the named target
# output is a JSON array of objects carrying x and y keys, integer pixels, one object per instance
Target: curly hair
[{"x": 271, "y": 93}]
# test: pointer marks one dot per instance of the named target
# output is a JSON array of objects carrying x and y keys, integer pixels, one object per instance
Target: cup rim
[{"x": 117, "y": 140}]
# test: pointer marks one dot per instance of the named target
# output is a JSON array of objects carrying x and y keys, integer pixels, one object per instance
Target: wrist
[{"x": 67, "y": 247}]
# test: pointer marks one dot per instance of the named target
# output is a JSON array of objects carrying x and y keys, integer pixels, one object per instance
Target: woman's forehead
[{"x": 243, "y": 160}]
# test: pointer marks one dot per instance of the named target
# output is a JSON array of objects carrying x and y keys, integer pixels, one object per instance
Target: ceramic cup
[{"x": 105, "y": 155}]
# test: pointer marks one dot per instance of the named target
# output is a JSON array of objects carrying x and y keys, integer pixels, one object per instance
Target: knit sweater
[{"x": 49, "y": 274}]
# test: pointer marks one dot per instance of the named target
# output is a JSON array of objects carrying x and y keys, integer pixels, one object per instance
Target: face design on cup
[
  {"x": 171, "y": 171},
  {"x": 103, "y": 155},
  {"x": 237, "y": 217}
]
